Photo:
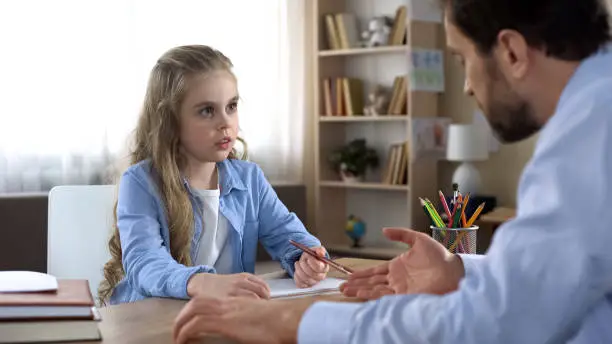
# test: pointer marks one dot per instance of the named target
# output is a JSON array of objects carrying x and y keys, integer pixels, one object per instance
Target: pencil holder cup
[{"x": 456, "y": 240}]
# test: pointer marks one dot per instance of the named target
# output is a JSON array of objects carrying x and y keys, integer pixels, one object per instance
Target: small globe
[{"x": 355, "y": 229}]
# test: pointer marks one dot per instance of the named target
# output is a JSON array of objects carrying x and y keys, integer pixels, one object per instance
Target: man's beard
[
  {"x": 512, "y": 122},
  {"x": 511, "y": 118}
]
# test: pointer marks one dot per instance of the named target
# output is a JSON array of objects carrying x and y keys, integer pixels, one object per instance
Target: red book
[{"x": 72, "y": 299}]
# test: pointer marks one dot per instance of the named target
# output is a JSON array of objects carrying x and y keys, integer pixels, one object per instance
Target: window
[{"x": 74, "y": 74}]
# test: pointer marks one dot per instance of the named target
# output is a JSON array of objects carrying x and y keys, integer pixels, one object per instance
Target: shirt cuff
[
  {"x": 471, "y": 261},
  {"x": 183, "y": 280},
  {"x": 288, "y": 261},
  {"x": 327, "y": 323}
]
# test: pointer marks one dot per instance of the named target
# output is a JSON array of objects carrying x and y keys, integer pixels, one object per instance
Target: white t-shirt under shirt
[{"x": 213, "y": 249}]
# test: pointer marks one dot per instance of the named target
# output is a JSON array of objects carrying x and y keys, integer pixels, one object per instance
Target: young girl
[{"x": 189, "y": 214}]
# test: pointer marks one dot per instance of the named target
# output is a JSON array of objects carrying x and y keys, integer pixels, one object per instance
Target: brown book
[
  {"x": 346, "y": 23},
  {"x": 394, "y": 94},
  {"x": 402, "y": 97},
  {"x": 357, "y": 96},
  {"x": 398, "y": 33},
  {"x": 403, "y": 169},
  {"x": 50, "y": 331},
  {"x": 396, "y": 163},
  {"x": 333, "y": 41},
  {"x": 346, "y": 92},
  {"x": 72, "y": 299},
  {"x": 386, "y": 178},
  {"x": 340, "y": 106},
  {"x": 327, "y": 97},
  {"x": 353, "y": 96},
  {"x": 342, "y": 35}
]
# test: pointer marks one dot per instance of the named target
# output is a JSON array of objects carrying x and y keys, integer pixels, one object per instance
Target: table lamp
[{"x": 466, "y": 144}]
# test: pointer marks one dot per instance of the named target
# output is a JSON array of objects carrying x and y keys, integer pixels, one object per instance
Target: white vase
[{"x": 349, "y": 178}]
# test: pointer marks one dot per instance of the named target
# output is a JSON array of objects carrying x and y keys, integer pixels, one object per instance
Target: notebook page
[
  {"x": 26, "y": 281},
  {"x": 285, "y": 287}
]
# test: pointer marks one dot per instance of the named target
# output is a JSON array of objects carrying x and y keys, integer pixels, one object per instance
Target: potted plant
[{"x": 353, "y": 159}]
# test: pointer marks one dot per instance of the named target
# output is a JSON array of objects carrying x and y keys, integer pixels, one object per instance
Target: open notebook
[{"x": 286, "y": 288}]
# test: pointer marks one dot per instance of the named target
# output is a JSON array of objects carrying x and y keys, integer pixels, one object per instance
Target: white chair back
[{"x": 79, "y": 226}]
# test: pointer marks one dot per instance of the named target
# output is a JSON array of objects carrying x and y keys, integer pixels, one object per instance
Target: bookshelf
[
  {"x": 376, "y": 201},
  {"x": 363, "y": 51},
  {"x": 348, "y": 119}
]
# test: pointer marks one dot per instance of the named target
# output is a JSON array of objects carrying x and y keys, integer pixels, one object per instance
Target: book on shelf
[
  {"x": 348, "y": 30},
  {"x": 396, "y": 169},
  {"x": 327, "y": 97},
  {"x": 333, "y": 41},
  {"x": 343, "y": 96},
  {"x": 399, "y": 96},
  {"x": 342, "y": 31},
  {"x": 398, "y": 32},
  {"x": 65, "y": 314}
]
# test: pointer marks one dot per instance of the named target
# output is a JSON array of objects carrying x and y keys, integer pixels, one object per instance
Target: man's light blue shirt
[{"x": 547, "y": 277}]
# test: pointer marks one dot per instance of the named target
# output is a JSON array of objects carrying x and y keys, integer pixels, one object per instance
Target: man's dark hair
[{"x": 569, "y": 30}]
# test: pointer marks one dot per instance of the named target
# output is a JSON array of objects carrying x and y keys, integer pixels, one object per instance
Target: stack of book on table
[{"x": 36, "y": 307}]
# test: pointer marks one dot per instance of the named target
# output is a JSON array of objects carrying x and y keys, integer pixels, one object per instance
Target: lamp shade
[{"x": 466, "y": 142}]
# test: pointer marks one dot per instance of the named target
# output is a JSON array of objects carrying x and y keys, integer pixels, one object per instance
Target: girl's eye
[
  {"x": 232, "y": 107},
  {"x": 207, "y": 111}
]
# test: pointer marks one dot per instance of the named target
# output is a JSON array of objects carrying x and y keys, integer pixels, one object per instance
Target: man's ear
[{"x": 512, "y": 54}]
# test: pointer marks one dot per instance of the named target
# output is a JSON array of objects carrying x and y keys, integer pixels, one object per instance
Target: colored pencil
[
  {"x": 457, "y": 241},
  {"x": 434, "y": 211},
  {"x": 433, "y": 214},
  {"x": 466, "y": 199},
  {"x": 457, "y": 215},
  {"x": 444, "y": 204},
  {"x": 428, "y": 213},
  {"x": 475, "y": 215}
]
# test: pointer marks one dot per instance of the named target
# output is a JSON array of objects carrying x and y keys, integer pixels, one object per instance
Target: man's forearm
[{"x": 293, "y": 310}]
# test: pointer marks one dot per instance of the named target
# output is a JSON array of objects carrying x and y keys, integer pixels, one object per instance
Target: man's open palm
[{"x": 426, "y": 268}]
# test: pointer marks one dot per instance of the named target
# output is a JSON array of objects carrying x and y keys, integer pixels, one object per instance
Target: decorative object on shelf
[
  {"x": 355, "y": 229},
  {"x": 377, "y": 34},
  {"x": 466, "y": 144},
  {"x": 377, "y": 99},
  {"x": 426, "y": 70},
  {"x": 429, "y": 137},
  {"x": 352, "y": 160}
]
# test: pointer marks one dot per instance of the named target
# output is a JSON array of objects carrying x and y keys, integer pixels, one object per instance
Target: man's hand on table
[
  {"x": 426, "y": 268},
  {"x": 245, "y": 320}
]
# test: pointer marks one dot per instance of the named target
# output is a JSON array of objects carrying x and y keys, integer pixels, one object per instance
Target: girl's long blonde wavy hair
[{"x": 157, "y": 138}]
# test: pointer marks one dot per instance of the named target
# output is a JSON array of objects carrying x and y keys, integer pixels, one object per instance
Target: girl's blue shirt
[{"x": 247, "y": 200}]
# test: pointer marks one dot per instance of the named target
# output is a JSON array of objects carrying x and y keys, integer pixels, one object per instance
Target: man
[{"x": 547, "y": 278}]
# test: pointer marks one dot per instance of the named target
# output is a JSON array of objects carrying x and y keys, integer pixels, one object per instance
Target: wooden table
[{"x": 150, "y": 321}]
